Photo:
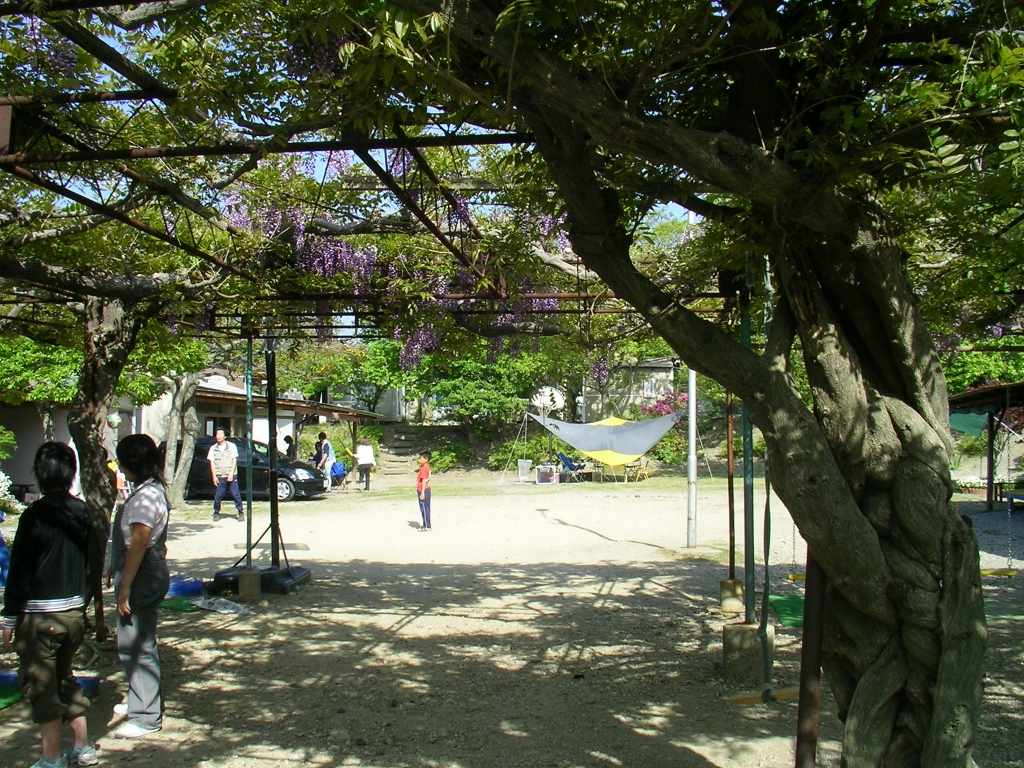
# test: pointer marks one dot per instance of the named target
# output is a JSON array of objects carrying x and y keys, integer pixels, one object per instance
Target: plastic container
[
  {"x": 524, "y": 470},
  {"x": 547, "y": 474},
  {"x": 182, "y": 587},
  {"x": 90, "y": 685}
]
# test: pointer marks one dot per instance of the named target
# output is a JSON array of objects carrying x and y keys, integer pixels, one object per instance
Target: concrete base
[
  {"x": 249, "y": 585},
  {"x": 742, "y": 653},
  {"x": 730, "y": 594}
]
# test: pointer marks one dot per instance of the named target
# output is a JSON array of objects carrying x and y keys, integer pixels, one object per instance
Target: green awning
[{"x": 973, "y": 424}]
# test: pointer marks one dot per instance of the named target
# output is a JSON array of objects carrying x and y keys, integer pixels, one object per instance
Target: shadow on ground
[{"x": 479, "y": 666}]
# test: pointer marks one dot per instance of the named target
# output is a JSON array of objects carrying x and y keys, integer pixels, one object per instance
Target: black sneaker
[{"x": 216, "y": 516}]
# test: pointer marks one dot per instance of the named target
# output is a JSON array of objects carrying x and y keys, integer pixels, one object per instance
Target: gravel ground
[{"x": 555, "y": 626}]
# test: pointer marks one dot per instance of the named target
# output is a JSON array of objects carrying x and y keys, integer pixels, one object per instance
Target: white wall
[{"x": 24, "y": 421}]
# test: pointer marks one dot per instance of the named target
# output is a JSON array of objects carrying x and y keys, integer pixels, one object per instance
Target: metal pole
[
  {"x": 748, "y": 484},
  {"x": 248, "y": 453},
  {"x": 809, "y": 707},
  {"x": 990, "y": 482},
  {"x": 730, "y": 460},
  {"x": 691, "y": 460},
  {"x": 275, "y": 543}
]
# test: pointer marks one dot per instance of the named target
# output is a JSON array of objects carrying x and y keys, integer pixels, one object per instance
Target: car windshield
[{"x": 261, "y": 450}]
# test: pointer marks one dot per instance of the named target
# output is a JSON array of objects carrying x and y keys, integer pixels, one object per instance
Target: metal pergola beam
[{"x": 252, "y": 148}]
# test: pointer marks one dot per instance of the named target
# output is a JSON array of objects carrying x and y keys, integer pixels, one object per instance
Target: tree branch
[
  {"x": 396, "y": 224},
  {"x": 525, "y": 328},
  {"x": 144, "y": 14},
  {"x": 574, "y": 269},
  {"x": 720, "y": 159},
  {"x": 129, "y": 286}
]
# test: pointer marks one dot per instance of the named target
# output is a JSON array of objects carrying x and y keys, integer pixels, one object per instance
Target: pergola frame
[{"x": 408, "y": 191}]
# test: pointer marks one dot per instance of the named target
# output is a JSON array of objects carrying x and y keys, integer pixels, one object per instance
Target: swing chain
[
  {"x": 792, "y": 558},
  {"x": 1009, "y": 537}
]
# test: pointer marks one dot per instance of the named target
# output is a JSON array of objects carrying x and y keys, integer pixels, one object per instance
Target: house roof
[
  {"x": 990, "y": 399},
  {"x": 221, "y": 394}
]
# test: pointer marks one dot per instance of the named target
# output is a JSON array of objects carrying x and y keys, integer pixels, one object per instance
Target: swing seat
[
  {"x": 1007, "y": 572},
  {"x": 1010, "y": 498}
]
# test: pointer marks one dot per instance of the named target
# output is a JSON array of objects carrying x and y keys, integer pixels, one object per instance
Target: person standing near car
[
  {"x": 292, "y": 451},
  {"x": 223, "y": 457},
  {"x": 327, "y": 457}
]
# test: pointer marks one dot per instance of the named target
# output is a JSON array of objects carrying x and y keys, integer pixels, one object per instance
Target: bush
[
  {"x": 535, "y": 448},
  {"x": 972, "y": 446},
  {"x": 759, "y": 446},
  {"x": 8, "y": 504},
  {"x": 447, "y": 455},
  {"x": 671, "y": 449}
]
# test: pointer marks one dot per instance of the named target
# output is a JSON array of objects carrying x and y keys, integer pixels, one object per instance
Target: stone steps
[{"x": 399, "y": 450}]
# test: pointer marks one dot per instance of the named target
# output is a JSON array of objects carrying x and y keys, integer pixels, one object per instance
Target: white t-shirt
[
  {"x": 146, "y": 505},
  {"x": 364, "y": 455}
]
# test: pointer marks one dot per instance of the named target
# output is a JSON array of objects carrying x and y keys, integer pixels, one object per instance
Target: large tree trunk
[
  {"x": 865, "y": 475},
  {"x": 183, "y": 389},
  {"x": 111, "y": 328},
  {"x": 190, "y": 431},
  {"x": 46, "y": 416}
]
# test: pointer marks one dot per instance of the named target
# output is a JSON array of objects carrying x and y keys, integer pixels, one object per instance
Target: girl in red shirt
[{"x": 423, "y": 488}]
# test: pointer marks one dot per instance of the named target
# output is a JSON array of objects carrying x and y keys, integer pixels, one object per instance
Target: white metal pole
[{"x": 691, "y": 461}]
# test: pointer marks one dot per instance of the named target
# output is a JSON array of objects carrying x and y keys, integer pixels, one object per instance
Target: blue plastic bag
[{"x": 5, "y": 561}]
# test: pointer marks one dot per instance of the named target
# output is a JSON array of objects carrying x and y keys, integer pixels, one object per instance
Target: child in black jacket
[{"x": 44, "y": 606}]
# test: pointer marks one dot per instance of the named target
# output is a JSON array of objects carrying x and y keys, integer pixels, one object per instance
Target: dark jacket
[{"x": 48, "y": 557}]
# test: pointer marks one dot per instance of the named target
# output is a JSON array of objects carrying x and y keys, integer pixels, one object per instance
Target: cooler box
[{"x": 547, "y": 474}]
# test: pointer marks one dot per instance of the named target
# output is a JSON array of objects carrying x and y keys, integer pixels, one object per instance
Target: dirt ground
[{"x": 554, "y": 626}]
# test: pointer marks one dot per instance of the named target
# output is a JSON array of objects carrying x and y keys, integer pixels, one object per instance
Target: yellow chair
[{"x": 640, "y": 470}]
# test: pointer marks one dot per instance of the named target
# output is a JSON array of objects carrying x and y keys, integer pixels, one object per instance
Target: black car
[{"x": 294, "y": 478}]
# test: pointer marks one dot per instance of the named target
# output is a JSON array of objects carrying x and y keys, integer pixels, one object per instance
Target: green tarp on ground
[
  {"x": 9, "y": 694},
  {"x": 789, "y": 609}
]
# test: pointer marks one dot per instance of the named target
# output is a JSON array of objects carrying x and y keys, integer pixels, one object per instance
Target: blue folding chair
[
  {"x": 339, "y": 475},
  {"x": 573, "y": 469}
]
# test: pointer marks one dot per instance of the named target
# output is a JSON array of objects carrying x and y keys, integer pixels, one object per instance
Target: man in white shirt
[{"x": 223, "y": 457}]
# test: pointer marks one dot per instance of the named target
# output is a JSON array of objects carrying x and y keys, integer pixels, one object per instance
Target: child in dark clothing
[{"x": 44, "y": 606}]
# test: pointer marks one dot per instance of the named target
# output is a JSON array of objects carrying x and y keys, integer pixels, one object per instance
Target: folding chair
[
  {"x": 573, "y": 469},
  {"x": 339, "y": 475},
  {"x": 640, "y": 470}
]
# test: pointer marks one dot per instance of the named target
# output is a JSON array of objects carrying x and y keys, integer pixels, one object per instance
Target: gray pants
[{"x": 140, "y": 657}]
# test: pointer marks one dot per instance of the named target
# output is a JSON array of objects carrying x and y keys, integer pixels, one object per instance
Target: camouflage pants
[{"x": 46, "y": 645}]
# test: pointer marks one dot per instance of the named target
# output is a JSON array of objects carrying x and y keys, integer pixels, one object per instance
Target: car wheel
[{"x": 285, "y": 489}]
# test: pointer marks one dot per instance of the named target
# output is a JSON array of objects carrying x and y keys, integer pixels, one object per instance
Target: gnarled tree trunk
[
  {"x": 46, "y": 416},
  {"x": 865, "y": 475},
  {"x": 111, "y": 328},
  {"x": 183, "y": 422}
]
